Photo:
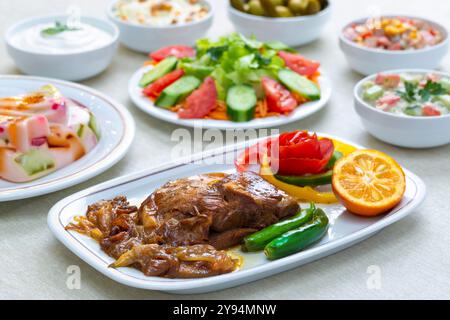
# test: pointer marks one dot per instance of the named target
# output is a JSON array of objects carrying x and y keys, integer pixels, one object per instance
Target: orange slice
[{"x": 368, "y": 182}]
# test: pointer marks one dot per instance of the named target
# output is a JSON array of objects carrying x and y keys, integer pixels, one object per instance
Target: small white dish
[
  {"x": 113, "y": 119},
  {"x": 72, "y": 66},
  {"x": 368, "y": 61},
  {"x": 400, "y": 130},
  {"x": 302, "y": 112},
  {"x": 294, "y": 32},
  {"x": 146, "y": 39},
  {"x": 345, "y": 230}
]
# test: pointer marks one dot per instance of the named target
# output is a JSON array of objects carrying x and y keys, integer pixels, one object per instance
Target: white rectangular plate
[{"x": 345, "y": 229}]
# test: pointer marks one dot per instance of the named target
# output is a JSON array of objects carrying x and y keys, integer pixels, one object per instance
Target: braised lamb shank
[{"x": 178, "y": 231}]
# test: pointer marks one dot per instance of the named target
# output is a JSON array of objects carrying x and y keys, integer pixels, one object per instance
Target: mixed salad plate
[
  {"x": 53, "y": 135},
  {"x": 234, "y": 82}
]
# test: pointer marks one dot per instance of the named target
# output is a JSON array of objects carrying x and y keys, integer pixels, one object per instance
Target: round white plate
[
  {"x": 143, "y": 103},
  {"x": 116, "y": 124}
]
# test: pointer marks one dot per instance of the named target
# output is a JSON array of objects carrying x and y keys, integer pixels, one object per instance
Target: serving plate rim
[
  {"x": 90, "y": 170},
  {"x": 195, "y": 285},
  {"x": 168, "y": 116}
]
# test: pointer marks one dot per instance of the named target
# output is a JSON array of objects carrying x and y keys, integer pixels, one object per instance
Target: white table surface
[{"x": 413, "y": 255}]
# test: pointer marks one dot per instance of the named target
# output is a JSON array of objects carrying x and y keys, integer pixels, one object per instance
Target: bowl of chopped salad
[
  {"x": 146, "y": 25},
  {"x": 378, "y": 44},
  {"x": 232, "y": 82},
  {"x": 408, "y": 108}
]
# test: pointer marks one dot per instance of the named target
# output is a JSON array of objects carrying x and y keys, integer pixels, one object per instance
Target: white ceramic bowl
[
  {"x": 399, "y": 130},
  {"x": 295, "y": 31},
  {"x": 66, "y": 66},
  {"x": 148, "y": 38},
  {"x": 368, "y": 61}
]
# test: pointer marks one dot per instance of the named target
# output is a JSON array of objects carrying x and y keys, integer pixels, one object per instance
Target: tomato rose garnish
[{"x": 294, "y": 153}]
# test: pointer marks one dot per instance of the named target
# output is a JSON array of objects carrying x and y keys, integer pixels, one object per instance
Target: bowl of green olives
[{"x": 293, "y": 22}]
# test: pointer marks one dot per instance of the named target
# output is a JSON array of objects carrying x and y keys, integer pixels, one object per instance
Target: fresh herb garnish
[
  {"x": 409, "y": 94},
  {"x": 412, "y": 91},
  {"x": 431, "y": 89},
  {"x": 57, "y": 29}
]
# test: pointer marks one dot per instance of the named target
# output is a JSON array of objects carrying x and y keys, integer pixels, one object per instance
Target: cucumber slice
[
  {"x": 299, "y": 84},
  {"x": 445, "y": 82},
  {"x": 308, "y": 181},
  {"x": 368, "y": 84},
  {"x": 160, "y": 70},
  {"x": 35, "y": 161},
  {"x": 93, "y": 125},
  {"x": 373, "y": 93},
  {"x": 177, "y": 91},
  {"x": 196, "y": 70},
  {"x": 414, "y": 111},
  {"x": 445, "y": 100},
  {"x": 241, "y": 103},
  {"x": 411, "y": 78}
]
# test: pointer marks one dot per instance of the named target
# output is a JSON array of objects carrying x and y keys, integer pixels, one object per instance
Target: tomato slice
[
  {"x": 430, "y": 111},
  {"x": 173, "y": 51},
  {"x": 201, "y": 102},
  {"x": 388, "y": 80},
  {"x": 278, "y": 98},
  {"x": 252, "y": 155},
  {"x": 154, "y": 90},
  {"x": 299, "y": 64}
]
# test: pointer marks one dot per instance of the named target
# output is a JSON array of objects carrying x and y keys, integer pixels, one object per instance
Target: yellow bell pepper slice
[
  {"x": 343, "y": 148},
  {"x": 306, "y": 194}
]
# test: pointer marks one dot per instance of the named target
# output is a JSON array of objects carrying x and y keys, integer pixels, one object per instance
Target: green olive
[
  {"x": 278, "y": 2},
  {"x": 256, "y": 8},
  {"x": 298, "y": 7},
  {"x": 238, "y": 4},
  {"x": 313, "y": 7},
  {"x": 269, "y": 6},
  {"x": 283, "y": 12}
]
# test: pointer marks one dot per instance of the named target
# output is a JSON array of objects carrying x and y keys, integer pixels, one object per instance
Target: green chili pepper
[
  {"x": 257, "y": 241},
  {"x": 313, "y": 180},
  {"x": 336, "y": 156},
  {"x": 298, "y": 239}
]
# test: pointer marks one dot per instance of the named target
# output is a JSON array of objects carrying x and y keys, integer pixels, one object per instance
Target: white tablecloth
[{"x": 413, "y": 255}]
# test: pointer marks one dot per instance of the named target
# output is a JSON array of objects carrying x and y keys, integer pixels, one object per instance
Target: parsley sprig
[
  {"x": 57, "y": 29},
  {"x": 409, "y": 94},
  {"x": 431, "y": 89},
  {"x": 412, "y": 92}
]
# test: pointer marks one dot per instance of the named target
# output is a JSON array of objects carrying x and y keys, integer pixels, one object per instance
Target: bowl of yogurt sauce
[
  {"x": 148, "y": 25},
  {"x": 62, "y": 46}
]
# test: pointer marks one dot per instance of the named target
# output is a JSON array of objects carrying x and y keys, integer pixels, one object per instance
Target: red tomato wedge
[
  {"x": 278, "y": 98},
  {"x": 173, "y": 51},
  {"x": 429, "y": 111},
  {"x": 299, "y": 64},
  {"x": 201, "y": 102},
  {"x": 154, "y": 90}
]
